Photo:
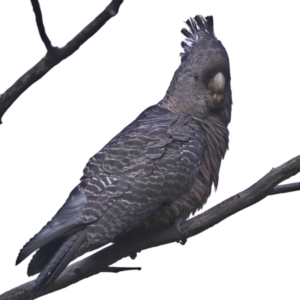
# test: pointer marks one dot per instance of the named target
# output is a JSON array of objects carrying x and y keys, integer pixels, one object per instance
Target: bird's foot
[{"x": 178, "y": 225}]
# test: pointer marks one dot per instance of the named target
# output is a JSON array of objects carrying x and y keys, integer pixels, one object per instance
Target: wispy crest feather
[{"x": 198, "y": 28}]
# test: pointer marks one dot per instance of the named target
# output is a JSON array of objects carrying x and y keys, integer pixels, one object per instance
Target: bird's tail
[
  {"x": 66, "y": 221},
  {"x": 59, "y": 261}
]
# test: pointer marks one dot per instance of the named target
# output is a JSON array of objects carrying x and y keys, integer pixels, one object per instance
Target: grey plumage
[{"x": 159, "y": 168}]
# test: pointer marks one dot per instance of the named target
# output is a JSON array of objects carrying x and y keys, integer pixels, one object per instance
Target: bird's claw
[
  {"x": 182, "y": 241},
  {"x": 133, "y": 255},
  {"x": 178, "y": 225}
]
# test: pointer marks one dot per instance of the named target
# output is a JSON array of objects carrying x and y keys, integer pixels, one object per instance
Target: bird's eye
[{"x": 196, "y": 76}]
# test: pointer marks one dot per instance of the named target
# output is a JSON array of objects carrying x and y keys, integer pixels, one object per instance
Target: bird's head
[{"x": 201, "y": 85}]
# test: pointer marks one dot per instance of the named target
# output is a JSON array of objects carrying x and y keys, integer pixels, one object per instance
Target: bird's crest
[{"x": 198, "y": 28}]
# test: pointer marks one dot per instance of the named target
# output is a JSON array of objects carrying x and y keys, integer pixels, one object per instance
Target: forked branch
[{"x": 54, "y": 55}]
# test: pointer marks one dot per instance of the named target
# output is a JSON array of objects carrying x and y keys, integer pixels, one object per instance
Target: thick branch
[
  {"x": 99, "y": 261},
  {"x": 40, "y": 25},
  {"x": 23, "y": 291},
  {"x": 55, "y": 56}
]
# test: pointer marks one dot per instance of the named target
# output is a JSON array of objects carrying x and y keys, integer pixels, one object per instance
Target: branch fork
[{"x": 54, "y": 55}]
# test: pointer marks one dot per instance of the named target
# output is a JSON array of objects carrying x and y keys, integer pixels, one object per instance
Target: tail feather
[
  {"x": 43, "y": 256},
  {"x": 59, "y": 261},
  {"x": 66, "y": 221},
  {"x": 45, "y": 236}
]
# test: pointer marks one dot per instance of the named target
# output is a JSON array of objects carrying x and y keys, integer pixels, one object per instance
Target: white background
[{"x": 52, "y": 130}]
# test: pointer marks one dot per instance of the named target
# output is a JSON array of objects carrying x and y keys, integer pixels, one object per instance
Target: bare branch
[
  {"x": 55, "y": 56},
  {"x": 23, "y": 291},
  {"x": 39, "y": 22},
  {"x": 100, "y": 260},
  {"x": 285, "y": 188}
]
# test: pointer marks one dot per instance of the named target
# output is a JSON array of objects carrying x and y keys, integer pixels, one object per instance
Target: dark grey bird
[{"x": 156, "y": 171}]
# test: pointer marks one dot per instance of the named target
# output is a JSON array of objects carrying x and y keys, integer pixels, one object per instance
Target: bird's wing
[{"x": 152, "y": 161}]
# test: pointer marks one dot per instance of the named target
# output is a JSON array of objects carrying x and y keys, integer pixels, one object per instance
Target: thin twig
[
  {"x": 120, "y": 269},
  {"x": 55, "y": 56},
  {"x": 97, "y": 262},
  {"x": 285, "y": 188},
  {"x": 40, "y": 25}
]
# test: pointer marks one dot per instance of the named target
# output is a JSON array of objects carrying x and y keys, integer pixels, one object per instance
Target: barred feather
[{"x": 159, "y": 169}]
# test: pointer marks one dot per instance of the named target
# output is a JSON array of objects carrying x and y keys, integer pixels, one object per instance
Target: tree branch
[
  {"x": 285, "y": 188},
  {"x": 40, "y": 25},
  {"x": 100, "y": 260},
  {"x": 56, "y": 55},
  {"x": 23, "y": 291}
]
